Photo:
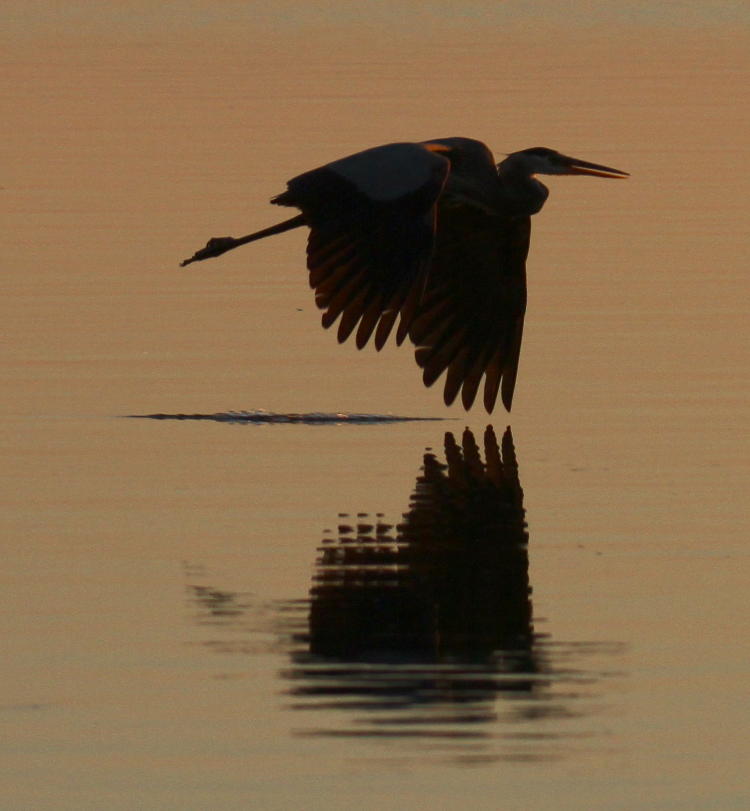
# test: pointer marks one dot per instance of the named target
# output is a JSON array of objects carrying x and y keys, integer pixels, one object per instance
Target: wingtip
[
  {"x": 468, "y": 395},
  {"x": 508, "y": 402},
  {"x": 449, "y": 397}
]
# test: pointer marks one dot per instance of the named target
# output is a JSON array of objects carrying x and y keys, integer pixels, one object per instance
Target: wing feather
[
  {"x": 434, "y": 360},
  {"x": 510, "y": 371},
  {"x": 352, "y": 312},
  {"x": 455, "y": 377},
  {"x": 470, "y": 320},
  {"x": 385, "y": 325},
  {"x": 472, "y": 379},
  {"x": 373, "y": 311},
  {"x": 346, "y": 296},
  {"x": 492, "y": 378},
  {"x": 327, "y": 266},
  {"x": 372, "y": 226}
]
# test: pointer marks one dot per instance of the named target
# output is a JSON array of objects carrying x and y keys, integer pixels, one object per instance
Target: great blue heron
[{"x": 435, "y": 232}]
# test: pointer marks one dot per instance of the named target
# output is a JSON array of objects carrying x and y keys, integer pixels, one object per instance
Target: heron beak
[{"x": 576, "y": 167}]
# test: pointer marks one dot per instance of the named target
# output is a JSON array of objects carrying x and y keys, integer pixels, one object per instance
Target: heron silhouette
[{"x": 435, "y": 234}]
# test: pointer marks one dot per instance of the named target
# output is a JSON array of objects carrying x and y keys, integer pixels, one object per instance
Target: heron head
[{"x": 540, "y": 160}]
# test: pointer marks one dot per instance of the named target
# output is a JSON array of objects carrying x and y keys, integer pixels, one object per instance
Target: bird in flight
[{"x": 432, "y": 234}]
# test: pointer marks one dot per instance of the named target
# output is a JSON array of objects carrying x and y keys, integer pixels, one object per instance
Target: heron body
[{"x": 434, "y": 235}]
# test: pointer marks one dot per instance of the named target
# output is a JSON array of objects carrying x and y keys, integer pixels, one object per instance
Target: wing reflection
[
  {"x": 449, "y": 583},
  {"x": 418, "y": 628},
  {"x": 423, "y": 629}
]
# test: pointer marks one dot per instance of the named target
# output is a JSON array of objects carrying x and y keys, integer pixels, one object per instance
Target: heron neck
[{"x": 523, "y": 193}]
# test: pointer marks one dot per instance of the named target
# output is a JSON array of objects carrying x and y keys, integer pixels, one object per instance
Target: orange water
[{"x": 131, "y": 136}]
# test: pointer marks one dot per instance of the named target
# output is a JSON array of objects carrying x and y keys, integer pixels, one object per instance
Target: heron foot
[{"x": 214, "y": 247}]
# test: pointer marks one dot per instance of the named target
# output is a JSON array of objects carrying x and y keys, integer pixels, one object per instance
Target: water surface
[{"x": 201, "y": 613}]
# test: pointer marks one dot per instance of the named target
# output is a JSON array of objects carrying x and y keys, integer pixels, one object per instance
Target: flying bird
[{"x": 432, "y": 234}]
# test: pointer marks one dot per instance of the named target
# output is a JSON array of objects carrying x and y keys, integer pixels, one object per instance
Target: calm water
[{"x": 430, "y": 613}]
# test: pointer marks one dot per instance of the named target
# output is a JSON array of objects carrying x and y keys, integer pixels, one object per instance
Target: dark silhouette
[
  {"x": 436, "y": 233},
  {"x": 450, "y": 581},
  {"x": 433, "y": 611},
  {"x": 423, "y": 627}
]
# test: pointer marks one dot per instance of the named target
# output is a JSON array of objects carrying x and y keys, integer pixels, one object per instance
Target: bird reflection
[
  {"x": 449, "y": 582},
  {"x": 423, "y": 629},
  {"x": 433, "y": 614}
]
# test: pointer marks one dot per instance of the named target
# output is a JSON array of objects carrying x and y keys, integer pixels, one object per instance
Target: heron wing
[
  {"x": 470, "y": 319},
  {"x": 372, "y": 227}
]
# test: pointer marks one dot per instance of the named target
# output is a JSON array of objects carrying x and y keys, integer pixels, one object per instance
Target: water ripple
[{"x": 259, "y": 416}]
